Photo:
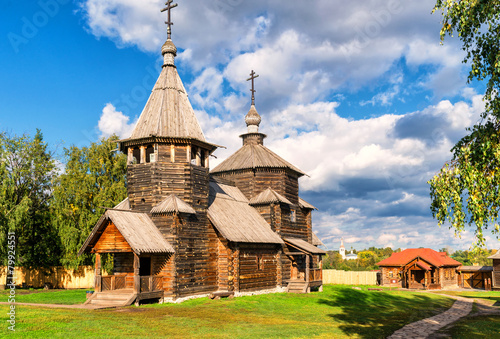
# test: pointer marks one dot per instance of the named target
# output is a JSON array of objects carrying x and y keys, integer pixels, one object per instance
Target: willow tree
[
  {"x": 466, "y": 190},
  {"x": 94, "y": 177}
]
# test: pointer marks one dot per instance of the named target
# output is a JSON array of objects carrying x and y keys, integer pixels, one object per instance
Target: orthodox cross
[
  {"x": 252, "y": 77},
  {"x": 169, "y": 22}
]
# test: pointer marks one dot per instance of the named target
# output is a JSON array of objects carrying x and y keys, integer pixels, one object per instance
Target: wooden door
[{"x": 473, "y": 280}]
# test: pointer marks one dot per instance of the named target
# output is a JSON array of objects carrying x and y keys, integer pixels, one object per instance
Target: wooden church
[{"x": 187, "y": 231}]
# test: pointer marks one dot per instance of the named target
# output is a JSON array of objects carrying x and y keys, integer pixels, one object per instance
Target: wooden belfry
[{"x": 184, "y": 231}]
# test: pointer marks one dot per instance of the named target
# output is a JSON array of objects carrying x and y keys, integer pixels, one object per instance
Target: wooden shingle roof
[
  {"x": 137, "y": 228},
  {"x": 172, "y": 204},
  {"x": 305, "y": 204},
  {"x": 495, "y": 256},
  {"x": 236, "y": 220},
  {"x": 123, "y": 205},
  {"x": 437, "y": 259},
  {"x": 304, "y": 245},
  {"x": 252, "y": 156},
  {"x": 316, "y": 241},
  {"x": 168, "y": 112},
  {"x": 232, "y": 191},
  {"x": 267, "y": 197}
]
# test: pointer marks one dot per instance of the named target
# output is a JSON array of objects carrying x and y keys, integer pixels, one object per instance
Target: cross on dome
[
  {"x": 253, "y": 76},
  {"x": 169, "y": 22}
]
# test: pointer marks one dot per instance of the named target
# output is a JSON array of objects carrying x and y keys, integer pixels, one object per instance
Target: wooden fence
[
  {"x": 59, "y": 277},
  {"x": 349, "y": 277},
  {"x": 83, "y": 277}
]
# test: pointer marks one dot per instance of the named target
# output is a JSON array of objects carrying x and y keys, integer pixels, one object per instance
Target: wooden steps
[
  {"x": 116, "y": 298},
  {"x": 297, "y": 286}
]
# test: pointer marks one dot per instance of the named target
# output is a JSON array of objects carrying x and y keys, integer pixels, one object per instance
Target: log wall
[
  {"x": 258, "y": 266},
  {"x": 193, "y": 268},
  {"x": 252, "y": 182}
]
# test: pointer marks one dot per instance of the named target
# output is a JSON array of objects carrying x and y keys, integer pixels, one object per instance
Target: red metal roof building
[{"x": 419, "y": 268}]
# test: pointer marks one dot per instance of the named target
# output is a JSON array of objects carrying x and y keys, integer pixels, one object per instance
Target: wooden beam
[
  {"x": 172, "y": 153},
  {"x": 137, "y": 278},
  {"x": 308, "y": 259},
  {"x": 130, "y": 155},
  {"x": 143, "y": 155},
  {"x": 98, "y": 272}
]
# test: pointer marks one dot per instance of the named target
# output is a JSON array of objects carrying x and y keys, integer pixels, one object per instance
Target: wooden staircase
[
  {"x": 297, "y": 286},
  {"x": 121, "y": 297}
]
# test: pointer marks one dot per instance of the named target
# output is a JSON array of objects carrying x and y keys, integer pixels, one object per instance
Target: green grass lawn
[
  {"x": 475, "y": 327},
  {"x": 338, "y": 312},
  {"x": 40, "y": 296}
]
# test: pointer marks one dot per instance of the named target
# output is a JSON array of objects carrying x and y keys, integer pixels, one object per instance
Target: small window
[
  {"x": 202, "y": 160},
  {"x": 293, "y": 217},
  {"x": 137, "y": 155},
  {"x": 150, "y": 154},
  {"x": 260, "y": 262},
  {"x": 193, "y": 155},
  {"x": 390, "y": 274}
]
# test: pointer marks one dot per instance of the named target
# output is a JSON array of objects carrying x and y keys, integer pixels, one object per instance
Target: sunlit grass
[{"x": 339, "y": 311}]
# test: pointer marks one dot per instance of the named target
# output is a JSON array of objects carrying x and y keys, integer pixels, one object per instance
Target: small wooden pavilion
[
  {"x": 185, "y": 231},
  {"x": 419, "y": 268}
]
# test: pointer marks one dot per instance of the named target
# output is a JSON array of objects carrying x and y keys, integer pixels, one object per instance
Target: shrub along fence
[
  {"x": 58, "y": 277},
  {"x": 349, "y": 277}
]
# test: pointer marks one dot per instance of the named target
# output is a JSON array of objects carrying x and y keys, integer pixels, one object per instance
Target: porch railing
[
  {"x": 151, "y": 283},
  {"x": 112, "y": 282},
  {"x": 315, "y": 274}
]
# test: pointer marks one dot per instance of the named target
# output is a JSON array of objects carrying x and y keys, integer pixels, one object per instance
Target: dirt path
[{"x": 80, "y": 306}]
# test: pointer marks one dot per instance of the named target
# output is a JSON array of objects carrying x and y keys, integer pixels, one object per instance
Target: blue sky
[{"x": 360, "y": 95}]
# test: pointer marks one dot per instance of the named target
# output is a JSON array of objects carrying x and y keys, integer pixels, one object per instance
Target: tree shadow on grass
[{"x": 377, "y": 314}]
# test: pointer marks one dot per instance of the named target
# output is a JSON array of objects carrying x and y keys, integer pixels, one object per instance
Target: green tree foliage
[
  {"x": 94, "y": 177},
  {"x": 478, "y": 256},
  {"x": 27, "y": 169},
  {"x": 367, "y": 260},
  {"x": 466, "y": 190}
]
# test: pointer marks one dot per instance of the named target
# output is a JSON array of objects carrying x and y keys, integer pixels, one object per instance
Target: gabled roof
[
  {"x": 305, "y": 204},
  {"x": 267, "y": 197},
  {"x": 137, "y": 228},
  {"x": 232, "y": 191},
  {"x": 423, "y": 265},
  {"x": 316, "y": 241},
  {"x": 172, "y": 204},
  {"x": 437, "y": 259},
  {"x": 168, "y": 112},
  {"x": 495, "y": 256},
  {"x": 253, "y": 156},
  {"x": 303, "y": 245},
  {"x": 123, "y": 205},
  {"x": 236, "y": 220}
]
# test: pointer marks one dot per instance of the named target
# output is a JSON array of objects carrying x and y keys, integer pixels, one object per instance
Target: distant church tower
[{"x": 342, "y": 249}]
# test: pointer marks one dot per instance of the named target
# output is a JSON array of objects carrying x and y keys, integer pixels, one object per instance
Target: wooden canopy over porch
[
  {"x": 313, "y": 277},
  {"x": 122, "y": 232},
  {"x": 419, "y": 274}
]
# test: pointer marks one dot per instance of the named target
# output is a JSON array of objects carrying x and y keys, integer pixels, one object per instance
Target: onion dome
[
  {"x": 169, "y": 51},
  {"x": 253, "y": 120}
]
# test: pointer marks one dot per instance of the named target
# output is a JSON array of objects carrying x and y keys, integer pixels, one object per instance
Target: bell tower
[
  {"x": 167, "y": 151},
  {"x": 168, "y": 176}
]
